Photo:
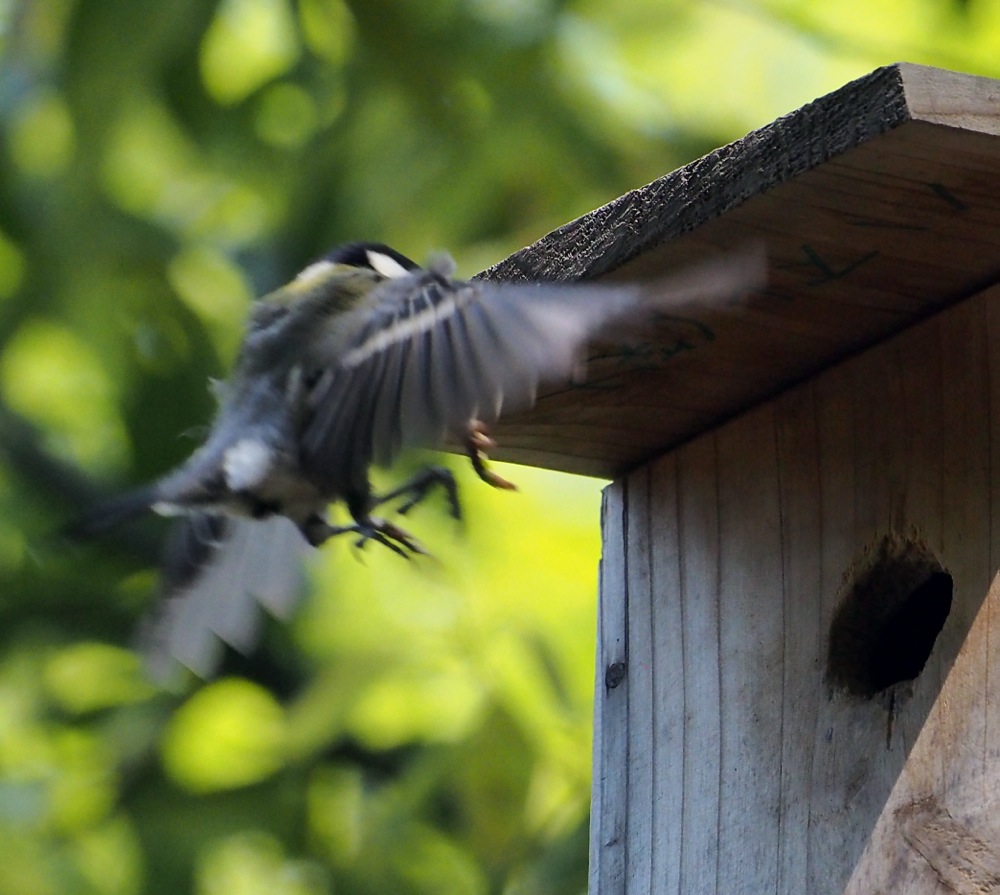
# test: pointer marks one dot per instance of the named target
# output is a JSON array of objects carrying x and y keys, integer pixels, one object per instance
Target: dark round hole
[
  {"x": 894, "y": 605},
  {"x": 902, "y": 646}
]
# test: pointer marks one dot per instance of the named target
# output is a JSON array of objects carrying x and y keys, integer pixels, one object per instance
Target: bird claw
[
  {"x": 369, "y": 528},
  {"x": 418, "y": 487},
  {"x": 318, "y": 531},
  {"x": 477, "y": 445},
  {"x": 398, "y": 540}
]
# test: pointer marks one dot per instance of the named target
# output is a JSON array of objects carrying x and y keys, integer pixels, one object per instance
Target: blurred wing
[
  {"x": 217, "y": 573},
  {"x": 432, "y": 354}
]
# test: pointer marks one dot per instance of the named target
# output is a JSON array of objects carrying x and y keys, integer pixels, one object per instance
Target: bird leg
[
  {"x": 371, "y": 528},
  {"x": 418, "y": 487},
  {"x": 477, "y": 444}
]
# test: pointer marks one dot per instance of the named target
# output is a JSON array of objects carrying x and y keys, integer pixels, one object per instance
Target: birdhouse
[{"x": 798, "y": 678}]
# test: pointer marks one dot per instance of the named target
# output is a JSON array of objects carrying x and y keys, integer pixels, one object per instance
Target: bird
[{"x": 363, "y": 355}]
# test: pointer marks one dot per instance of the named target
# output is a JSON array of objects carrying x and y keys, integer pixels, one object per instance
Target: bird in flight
[{"x": 363, "y": 355}]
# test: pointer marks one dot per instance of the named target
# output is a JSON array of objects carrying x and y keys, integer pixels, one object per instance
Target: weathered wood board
[
  {"x": 878, "y": 204},
  {"x": 725, "y": 761}
]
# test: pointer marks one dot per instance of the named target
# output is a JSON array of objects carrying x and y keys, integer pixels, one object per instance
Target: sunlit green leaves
[
  {"x": 83, "y": 785},
  {"x": 109, "y": 858},
  {"x": 328, "y": 29},
  {"x": 12, "y": 267},
  {"x": 427, "y": 861},
  {"x": 336, "y": 811},
  {"x": 54, "y": 379},
  {"x": 416, "y": 727},
  {"x": 248, "y": 43},
  {"x": 287, "y": 116},
  {"x": 155, "y": 171},
  {"x": 42, "y": 136},
  {"x": 59, "y": 782},
  {"x": 215, "y": 289},
  {"x": 256, "y": 864},
  {"x": 416, "y": 703},
  {"x": 85, "y": 676},
  {"x": 230, "y": 733}
]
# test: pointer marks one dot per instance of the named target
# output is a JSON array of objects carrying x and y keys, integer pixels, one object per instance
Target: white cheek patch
[
  {"x": 246, "y": 464},
  {"x": 383, "y": 264}
]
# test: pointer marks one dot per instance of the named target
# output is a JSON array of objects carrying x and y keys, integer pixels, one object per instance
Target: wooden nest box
[{"x": 796, "y": 659}]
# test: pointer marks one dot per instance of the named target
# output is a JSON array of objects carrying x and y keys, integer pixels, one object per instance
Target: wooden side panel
[{"x": 734, "y": 766}]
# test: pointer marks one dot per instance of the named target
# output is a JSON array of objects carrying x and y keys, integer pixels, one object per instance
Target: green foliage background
[{"x": 413, "y": 728}]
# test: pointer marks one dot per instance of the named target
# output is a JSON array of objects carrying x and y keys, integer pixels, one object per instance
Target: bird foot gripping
[
  {"x": 398, "y": 540},
  {"x": 371, "y": 528},
  {"x": 317, "y": 531},
  {"x": 417, "y": 488},
  {"x": 477, "y": 445}
]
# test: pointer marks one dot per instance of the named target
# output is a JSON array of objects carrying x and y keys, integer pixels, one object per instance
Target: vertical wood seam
[
  {"x": 626, "y": 659},
  {"x": 653, "y": 665},
  {"x": 942, "y": 759},
  {"x": 990, "y": 556},
  {"x": 906, "y": 417},
  {"x": 641, "y": 709},
  {"x": 681, "y": 619},
  {"x": 717, "y": 592},
  {"x": 981, "y": 330},
  {"x": 821, "y": 621},
  {"x": 609, "y": 845},
  {"x": 783, "y": 559}
]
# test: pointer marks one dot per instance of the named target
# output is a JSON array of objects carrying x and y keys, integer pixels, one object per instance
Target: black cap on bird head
[{"x": 375, "y": 256}]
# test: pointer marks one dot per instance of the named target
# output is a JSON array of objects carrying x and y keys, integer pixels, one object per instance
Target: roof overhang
[{"x": 879, "y": 204}]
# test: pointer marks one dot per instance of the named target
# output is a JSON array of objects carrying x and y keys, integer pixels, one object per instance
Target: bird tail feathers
[{"x": 111, "y": 514}]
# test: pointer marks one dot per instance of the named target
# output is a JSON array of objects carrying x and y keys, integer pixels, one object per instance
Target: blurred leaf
[
  {"x": 417, "y": 727},
  {"x": 42, "y": 136},
  {"x": 229, "y": 734},
  {"x": 55, "y": 380},
  {"x": 248, "y": 43},
  {"x": 88, "y": 676},
  {"x": 255, "y": 864}
]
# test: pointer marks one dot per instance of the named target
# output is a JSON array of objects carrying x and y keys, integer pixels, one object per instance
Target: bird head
[{"x": 374, "y": 256}]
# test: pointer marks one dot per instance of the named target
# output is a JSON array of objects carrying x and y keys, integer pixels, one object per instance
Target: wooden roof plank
[{"x": 879, "y": 204}]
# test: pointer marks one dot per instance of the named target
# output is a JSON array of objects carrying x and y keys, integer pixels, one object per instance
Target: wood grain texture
[
  {"x": 611, "y": 760},
  {"x": 878, "y": 204},
  {"x": 725, "y": 761}
]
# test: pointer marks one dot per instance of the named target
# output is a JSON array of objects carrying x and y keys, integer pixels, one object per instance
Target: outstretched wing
[
  {"x": 432, "y": 354},
  {"x": 218, "y": 572}
]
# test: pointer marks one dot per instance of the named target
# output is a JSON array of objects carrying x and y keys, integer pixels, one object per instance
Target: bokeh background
[{"x": 413, "y": 727}]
